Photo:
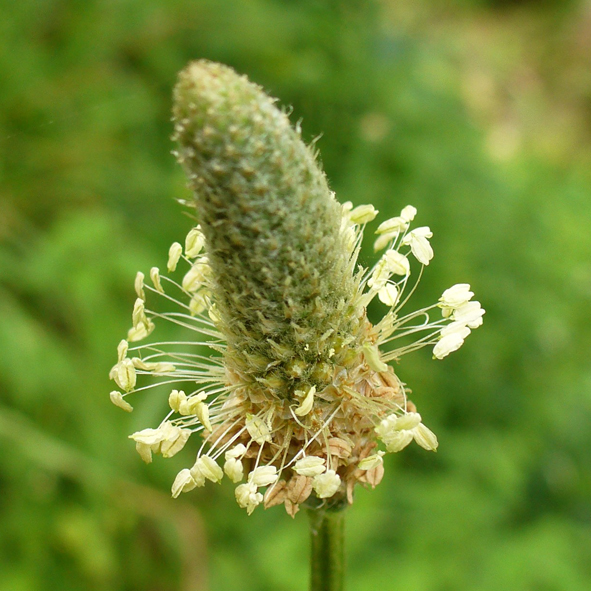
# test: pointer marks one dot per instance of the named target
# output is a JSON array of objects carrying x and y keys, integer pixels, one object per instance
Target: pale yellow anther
[
  {"x": 197, "y": 473},
  {"x": 202, "y": 413},
  {"x": 236, "y": 452},
  {"x": 175, "y": 399},
  {"x": 307, "y": 403},
  {"x": 383, "y": 241},
  {"x": 392, "y": 226},
  {"x": 194, "y": 243},
  {"x": 198, "y": 302},
  {"x": 408, "y": 213},
  {"x": 124, "y": 375},
  {"x": 188, "y": 406},
  {"x": 379, "y": 276},
  {"x": 137, "y": 333},
  {"x": 397, "y": 440},
  {"x": 148, "y": 436},
  {"x": 167, "y": 439},
  {"x": 145, "y": 451},
  {"x": 425, "y": 438},
  {"x": 247, "y": 497},
  {"x": 388, "y": 294},
  {"x": 122, "y": 348},
  {"x": 453, "y": 297},
  {"x": 371, "y": 461},
  {"x": 195, "y": 406},
  {"x": 142, "y": 326},
  {"x": 234, "y": 469},
  {"x": 326, "y": 485},
  {"x": 156, "y": 367},
  {"x": 191, "y": 280},
  {"x": 139, "y": 285},
  {"x": 174, "y": 442},
  {"x": 310, "y": 466},
  {"x": 418, "y": 240},
  {"x": 212, "y": 311},
  {"x": 184, "y": 482},
  {"x": 469, "y": 313},
  {"x": 407, "y": 421},
  {"x": 139, "y": 363},
  {"x": 155, "y": 277},
  {"x": 174, "y": 254},
  {"x": 398, "y": 431},
  {"x": 396, "y": 263},
  {"x": 372, "y": 357},
  {"x": 257, "y": 429},
  {"x": 263, "y": 476},
  {"x": 451, "y": 341},
  {"x": 349, "y": 238},
  {"x": 138, "y": 316},
  {"x": 117, "y": 400},
  {"x": 209, "y": 468},
  {"x": 363, "y": 214},
  {"x": 196, "y": 275}
]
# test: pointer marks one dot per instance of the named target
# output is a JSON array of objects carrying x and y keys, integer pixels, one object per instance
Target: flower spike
[{"x": 282, "y": 377}]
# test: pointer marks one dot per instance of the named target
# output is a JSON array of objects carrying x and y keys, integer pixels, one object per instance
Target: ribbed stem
[{"x": 327, "y": 535}]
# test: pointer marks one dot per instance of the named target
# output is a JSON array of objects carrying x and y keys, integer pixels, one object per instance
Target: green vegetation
[{"x": 475, "y": 112}]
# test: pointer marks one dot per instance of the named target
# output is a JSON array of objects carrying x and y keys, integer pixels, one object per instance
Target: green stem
[{"x": 327, "y": 528}]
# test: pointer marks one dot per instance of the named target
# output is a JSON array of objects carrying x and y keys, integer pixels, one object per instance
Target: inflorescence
[{"x": 289, "y": 389}]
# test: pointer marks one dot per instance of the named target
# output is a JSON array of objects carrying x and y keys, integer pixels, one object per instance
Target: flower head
[{"x": 286, "y": 381}]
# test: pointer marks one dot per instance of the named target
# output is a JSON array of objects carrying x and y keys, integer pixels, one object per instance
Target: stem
[{"x": 327, "y": 528}]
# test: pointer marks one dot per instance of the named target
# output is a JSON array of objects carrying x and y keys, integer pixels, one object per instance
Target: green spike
[{"x": 281, "y": 265}]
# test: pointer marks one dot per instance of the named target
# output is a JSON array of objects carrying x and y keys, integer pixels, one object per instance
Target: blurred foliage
[{"x": 476, "y": 112}]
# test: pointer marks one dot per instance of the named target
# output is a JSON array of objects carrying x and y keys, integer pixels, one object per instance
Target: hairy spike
[
  {"x": 273, "y": 227},
  {"x": 297, "y": 396}
]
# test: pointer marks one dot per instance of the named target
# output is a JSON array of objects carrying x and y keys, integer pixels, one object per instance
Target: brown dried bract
[
  {"x": 339, "y": 447},
  {"x": 374, "y": 476},
  {"x": 275, "y": 494},
  {"x": 291, "y": 508},
  {"x": 299, "y": 488}
]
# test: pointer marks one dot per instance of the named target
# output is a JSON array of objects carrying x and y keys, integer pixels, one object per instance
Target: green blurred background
[{"x": 478, "y": 112}]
